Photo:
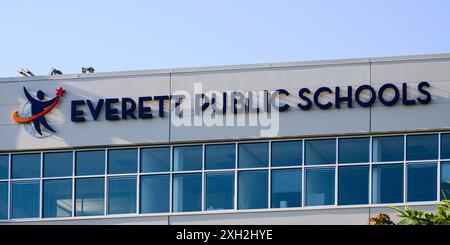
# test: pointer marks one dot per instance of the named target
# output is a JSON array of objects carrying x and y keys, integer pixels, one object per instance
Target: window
[
  {"x": 186, "y": 158},
  {"x": 387, "y": 148},
  {"x": 220, "y": 156},
  {"x": 253, "y": 155},
  {"x": 219, "y": 191},
  {"x": 3, "y": 200},
  {"x": 187, "y": 192},
  {"x": 320, "y": 186},
  {"x": 288, "y": 153},
  {"x": 90, "y": 163},
  {"x": 57, "y": 198},
  {"x": 26, "y": 166},
  {"x": 4, "y": 166},
  {"x": 445, "y": 180},
  {"x": 354, "y": 150},
  {"x": 25, "y": 200},
  {"x": 422, "y": 181},
  {"x": 58, "y": 164},
  {"x": 122, "y": 195},
  {"x": 353, "y": 185},
  {"x": 387, "y": 184},
  {"x": 422, "y": 147},
  {"x": 445, "y": 146},
  {"x": 203, "y": 177},
  {"x": 155, "y": 194},
  {"x": 320, "y": 152},
  {"x": 286, "y": 188},
  {"x": 155, "y": 160},
  {"x": 90, "y": 196},
  {"x": 122, "y": 161},
  {"x": 253, "y": 189}
]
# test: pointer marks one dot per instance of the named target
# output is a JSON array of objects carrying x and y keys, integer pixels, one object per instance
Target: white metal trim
[
  {"x": 138, "y": 182},
  {"x": 336, "y": 174},
  {"x": 73, "y": 183},
  {"x": 438, "y": 177},
  {"x": 9, "y": 187},
  {"x": 269, "y": 181},
  {"x": 405, "y": 173},
  {"x": 236, "y": 176},
  {"x": 370, "y": 170},
  {"x": 171, "y": 167},
  {"x": 303, "y": 188},
  {"x": 203, "y": 188},
  {"x": 106, "y": 194},
  {"x": 41, "y": 187}
]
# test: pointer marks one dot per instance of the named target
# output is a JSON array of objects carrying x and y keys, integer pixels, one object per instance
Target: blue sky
[{"x": 113, "y": 35}]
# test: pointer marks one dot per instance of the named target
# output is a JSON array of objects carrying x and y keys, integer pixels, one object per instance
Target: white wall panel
[
  {"x": 435, "y": 115},
  {"x": 89, "y": 133},
  {"x": 292, "y": 122}
]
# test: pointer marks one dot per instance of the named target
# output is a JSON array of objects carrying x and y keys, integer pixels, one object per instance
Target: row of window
[
  {"x": 294, "y": 173},
  {"x": 253, "y": 190},
  {"x": 251, "y": 155}
]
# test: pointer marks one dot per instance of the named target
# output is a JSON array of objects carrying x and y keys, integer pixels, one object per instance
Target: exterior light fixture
[
  {"x": 25, "y": 72},
  {"x": 87, "y": 69},
  {"x": 54, "y": 71}
]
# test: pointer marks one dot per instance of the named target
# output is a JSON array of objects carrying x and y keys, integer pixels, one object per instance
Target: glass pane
[
  {"x": 58, "y": 164},
  {"x": 353, "y": 185},
  {"x": 122, "y": 195},
  {"x": 26, "y": 166},
  {"x": 422, "y": 147},
  {"x": 57, "y": 198},
  {"x": 25, "y": 200},
  {"x": 90, "y": 196},
  {"x": 320, "y": 186},
  {"x": 220, "y": 156},
  {"x": 286, "y": 188},
  {"x": 445, "y": 181},
  {"x": 90, "y": 163},
  {"x": 4, "y": 163},
  {"x": 445, "y": 146},
  {"x": 354, "y": 150},
  {"x": 3, "y": 200},
  {"x": 155, "y": 194},
  {"x": 122, "y": 161},
  {"x": 187, "y": 192},
  {"x": 422, "y": 181},
  {"x": 219, "y": 191},
  {"x": 253, "y": 189},
  {"x": 186, "y": 158},
  {"x": 253, "y": 155},
  {"x": 387, "y": 149},
  {"x": 287, "y": 153},
  {"x": 387, "y": 184},
  {"x": 155, "y": 160},
  {"x": 320, "y": 152}
]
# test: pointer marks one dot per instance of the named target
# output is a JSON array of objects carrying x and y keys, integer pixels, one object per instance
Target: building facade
[{"x": 321, "y": 142}]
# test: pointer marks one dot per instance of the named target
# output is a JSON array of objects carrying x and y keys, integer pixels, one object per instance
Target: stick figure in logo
[{"x": 38, "y": 106}]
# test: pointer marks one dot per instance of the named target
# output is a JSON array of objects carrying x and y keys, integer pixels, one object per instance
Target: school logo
[{"x": 32, "y": 113}]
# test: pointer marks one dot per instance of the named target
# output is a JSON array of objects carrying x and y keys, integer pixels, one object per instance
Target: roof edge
[{"x": 168, "y": 71}]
